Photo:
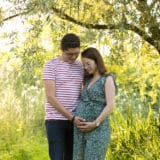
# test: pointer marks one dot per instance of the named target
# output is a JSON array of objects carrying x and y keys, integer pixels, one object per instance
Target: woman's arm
[{"x": 110, "y": 94}]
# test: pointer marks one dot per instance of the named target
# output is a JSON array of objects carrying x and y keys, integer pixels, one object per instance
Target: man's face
[{"x": 71, "y": 54}]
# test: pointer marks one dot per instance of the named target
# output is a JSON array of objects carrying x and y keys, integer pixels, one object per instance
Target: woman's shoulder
[{"x": 113, "y": 77}]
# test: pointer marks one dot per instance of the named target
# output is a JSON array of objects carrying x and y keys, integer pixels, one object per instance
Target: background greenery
[{"x": 126, "y": 33}]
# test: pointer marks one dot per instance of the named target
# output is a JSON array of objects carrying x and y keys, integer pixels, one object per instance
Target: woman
[{"x": 91, "y": 138}]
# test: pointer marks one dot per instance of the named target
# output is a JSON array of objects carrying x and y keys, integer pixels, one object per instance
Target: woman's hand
[
  {"x": 86, "y": 126},
  {"x": 78, "y": 120}
]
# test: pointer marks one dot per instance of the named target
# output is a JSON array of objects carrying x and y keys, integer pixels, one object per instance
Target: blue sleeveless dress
[{"x": 92, "y": 145}]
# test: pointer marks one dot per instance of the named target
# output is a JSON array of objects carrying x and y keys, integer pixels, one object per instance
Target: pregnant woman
[{"x": 91, "y": 138}]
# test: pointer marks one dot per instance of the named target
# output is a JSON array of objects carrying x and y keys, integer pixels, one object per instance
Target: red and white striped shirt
[{"x": 68, "y": 80}]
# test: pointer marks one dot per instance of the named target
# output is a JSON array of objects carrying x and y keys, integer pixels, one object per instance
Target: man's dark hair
[{"x": 70, "y": 40}]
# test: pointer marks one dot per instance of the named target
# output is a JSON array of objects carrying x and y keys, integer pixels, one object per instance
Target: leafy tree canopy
[{"x": 139, "y": 16}]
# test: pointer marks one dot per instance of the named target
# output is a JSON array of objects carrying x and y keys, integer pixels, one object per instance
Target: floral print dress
[{"x": 92, "y": 145}]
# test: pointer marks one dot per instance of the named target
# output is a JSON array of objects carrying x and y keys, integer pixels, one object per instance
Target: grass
[{"x": 22, "y": 132}]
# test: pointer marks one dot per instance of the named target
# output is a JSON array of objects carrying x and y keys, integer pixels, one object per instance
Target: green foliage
[
  {"x": 135, "y": 127},
  {"x": 118, "y": 16},
  {"x": 134, "y": 137},
  {"x": 138, "y": 74},
  {"x": 21, "y": 120},
  {"x": 136, "y": 119}
]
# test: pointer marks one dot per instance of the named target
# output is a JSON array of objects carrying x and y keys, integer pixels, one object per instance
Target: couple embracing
[{"x": 79, "y": 98}]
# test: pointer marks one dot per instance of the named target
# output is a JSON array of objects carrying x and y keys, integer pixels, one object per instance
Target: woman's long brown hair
[{"x": 93, "y": 54}]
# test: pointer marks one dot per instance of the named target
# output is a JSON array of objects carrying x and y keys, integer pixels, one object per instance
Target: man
[{"x": 62, "y": 81}]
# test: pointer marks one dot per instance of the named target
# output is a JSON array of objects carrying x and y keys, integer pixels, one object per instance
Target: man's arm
[{"x": 49, "y": 86}]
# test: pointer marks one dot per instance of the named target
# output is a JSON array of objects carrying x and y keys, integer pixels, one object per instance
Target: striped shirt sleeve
[{"x": 48, "y": 71}]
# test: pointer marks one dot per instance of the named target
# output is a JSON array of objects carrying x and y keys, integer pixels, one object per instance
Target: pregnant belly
[{"x": 89, "y": 111}]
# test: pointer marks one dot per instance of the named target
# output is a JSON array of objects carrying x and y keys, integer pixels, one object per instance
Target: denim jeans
[{"x": 60, "y": 139}]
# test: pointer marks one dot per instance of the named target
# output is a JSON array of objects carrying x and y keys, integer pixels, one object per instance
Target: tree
[{"x": 139, "y": 16}]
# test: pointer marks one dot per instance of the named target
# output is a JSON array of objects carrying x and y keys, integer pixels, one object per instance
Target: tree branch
[
  {"x": 13, "y": 16},
  {"x": 25, "y": 11},
  {"x": 127, "y": 26},
  {"x": 62, "y": 15}
]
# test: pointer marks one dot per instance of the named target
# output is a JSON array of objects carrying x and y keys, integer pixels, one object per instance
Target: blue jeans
[{"x": 60, "y": 139}]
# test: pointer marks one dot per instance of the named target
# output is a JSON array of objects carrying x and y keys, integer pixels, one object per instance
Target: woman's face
[{"x": 89, "y": 65}]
